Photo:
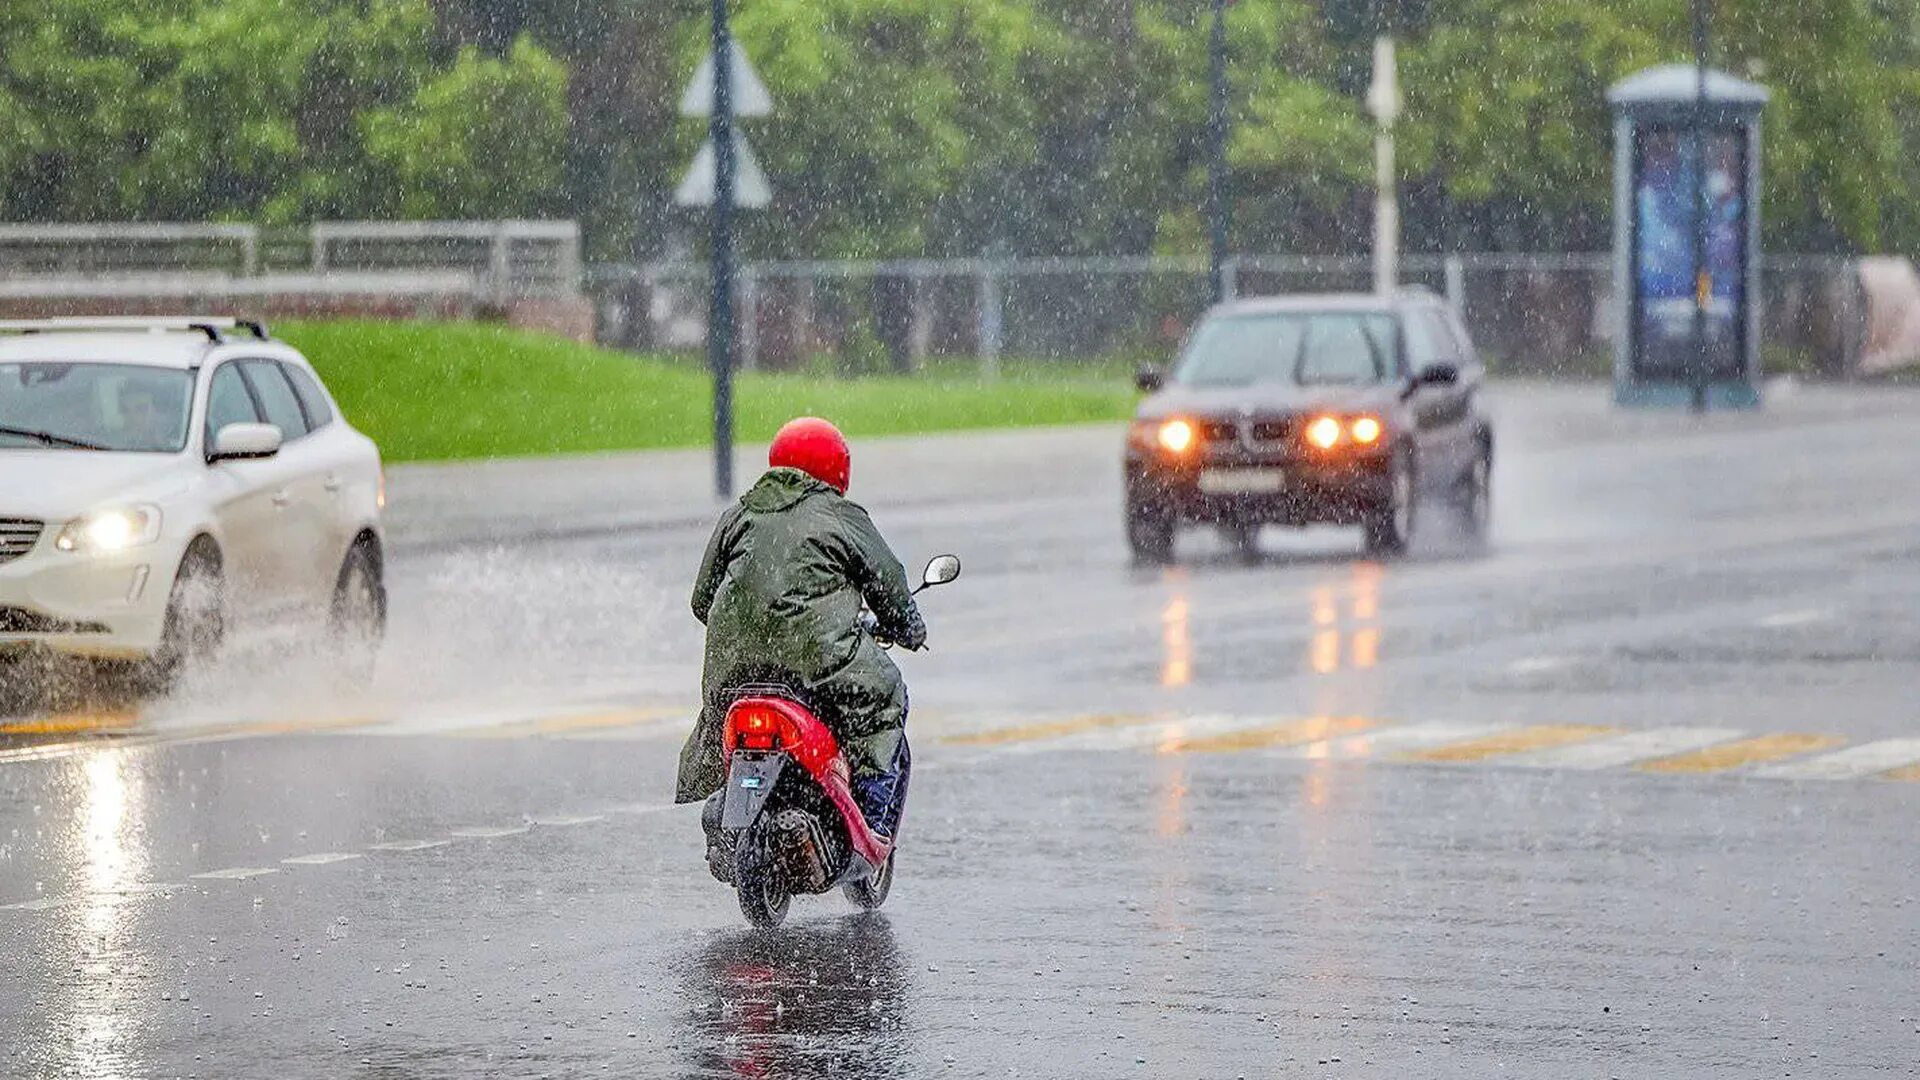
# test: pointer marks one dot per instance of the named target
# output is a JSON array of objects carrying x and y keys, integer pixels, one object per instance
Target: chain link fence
[{"x": 1529, "y": 313}]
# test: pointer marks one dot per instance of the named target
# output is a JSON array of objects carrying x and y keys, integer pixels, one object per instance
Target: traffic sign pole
[{"x": 720, "y": 317}]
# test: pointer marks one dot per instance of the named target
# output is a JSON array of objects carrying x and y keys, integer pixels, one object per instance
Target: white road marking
[
  {"x": 408, "y": 845},
  {"x": 1534, "y": 665},
  {"x": 321, "y": 858},
  {"x": 1616, "y": 750},
  {"x": 563, "y": 821},
  {"x": 1792, "y": 618},
  {"x": 43, "y": 904},
  {"x": 236, "y": 873},
  {"x": 1849, "y": 764},
  {"x": 1147, "y": 734},
  {"x": 1392, "y": 740},
  {"x": 489, "y": 833}
]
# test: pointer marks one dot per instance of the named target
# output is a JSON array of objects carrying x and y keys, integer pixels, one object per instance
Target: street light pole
[
  {"x": 1702, "y": 275},
  {"x": 1383, "y": 99},
  {"x": 720, "y": 312},
  {"x": 1217, "y": 153}
]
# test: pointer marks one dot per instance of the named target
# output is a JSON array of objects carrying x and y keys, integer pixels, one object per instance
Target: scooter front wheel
[
  {"x": 871, "y": 891},
  {"x": 764, "y": 898}
]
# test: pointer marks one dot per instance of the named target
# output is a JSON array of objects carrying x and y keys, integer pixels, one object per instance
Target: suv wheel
[
  {"x": 1389, "y": 527},
  {"x": 358, "y": 620},
  {"x": 1150, "y": 534},
  {"x": 196, "y": 620},
  {"x": 1474, "y": 497}
]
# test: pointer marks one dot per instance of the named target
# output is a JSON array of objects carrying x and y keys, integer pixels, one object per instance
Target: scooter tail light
[{"x": 757, "y": 728}]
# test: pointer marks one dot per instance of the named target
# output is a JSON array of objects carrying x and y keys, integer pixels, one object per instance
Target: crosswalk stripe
[
  {"x": 1291, "y": 733},
  {"x": 1745, "y": 752},
  {"x": 1393, "y": 739},
  {"x": 1051, "y": 729},
  {"x": 1512, "y": 742},
  {"x": 1855, "y": 761},
  {"x": 1612, "y": 753}
]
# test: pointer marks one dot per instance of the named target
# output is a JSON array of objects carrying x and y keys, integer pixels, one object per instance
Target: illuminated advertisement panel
[{"x": 1663, "y": 247}]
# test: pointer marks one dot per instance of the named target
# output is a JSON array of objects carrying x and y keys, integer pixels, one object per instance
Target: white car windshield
[
  {"x": 1301, "y": 348},
  {"x": 129, "y": 408}
]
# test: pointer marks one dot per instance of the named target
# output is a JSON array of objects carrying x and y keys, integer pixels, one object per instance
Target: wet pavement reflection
[{"x": 818, "y": 999}]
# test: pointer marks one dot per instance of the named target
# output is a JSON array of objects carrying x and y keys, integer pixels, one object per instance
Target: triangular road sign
[
  {"x": 750, "y": 187},
  {"x": 750, "y": 97}
]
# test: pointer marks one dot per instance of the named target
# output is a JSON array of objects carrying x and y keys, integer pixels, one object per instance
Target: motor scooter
[{"x": 789, "y": 812}]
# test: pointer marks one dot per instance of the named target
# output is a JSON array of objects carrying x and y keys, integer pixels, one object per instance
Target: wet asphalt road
[{"x": 1619, "y": 795}]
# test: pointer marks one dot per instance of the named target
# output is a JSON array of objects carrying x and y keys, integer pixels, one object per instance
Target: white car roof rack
[{"x": 214, "y": 328}]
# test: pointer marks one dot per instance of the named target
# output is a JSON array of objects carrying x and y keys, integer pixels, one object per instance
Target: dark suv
[{"x": 1299, "y": 410}]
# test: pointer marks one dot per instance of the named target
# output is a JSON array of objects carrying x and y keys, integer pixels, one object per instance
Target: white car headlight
[{"x": 104, "y": 532}]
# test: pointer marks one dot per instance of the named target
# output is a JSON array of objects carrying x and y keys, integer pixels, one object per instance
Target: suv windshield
[
  {"x": 85, "y": 406},
  {"x": 1303, "y": 348}
]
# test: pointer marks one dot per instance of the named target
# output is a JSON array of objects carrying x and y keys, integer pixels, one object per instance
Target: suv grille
[
  {"x": 1218, "y": 431},
  {"x": 1271, "y": 431},
  {"x": 17, "y": 537},
  {"x": 1264, "y": 431}
]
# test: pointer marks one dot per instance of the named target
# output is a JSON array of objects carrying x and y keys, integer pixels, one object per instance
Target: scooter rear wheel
[
  {"x": 764, "y": 898},
  {"x": 870, "y": 892}
]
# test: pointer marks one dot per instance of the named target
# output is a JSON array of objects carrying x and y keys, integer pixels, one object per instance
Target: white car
[{"x": 163, "y": 480}]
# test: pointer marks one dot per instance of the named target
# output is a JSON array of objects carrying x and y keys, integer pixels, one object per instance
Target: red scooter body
[
  {"x": 776, "y": 725},
  {"x": 781, "y": 830}
]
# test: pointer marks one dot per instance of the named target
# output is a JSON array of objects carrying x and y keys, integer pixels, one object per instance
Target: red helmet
[{"x": 816, "y": 448}]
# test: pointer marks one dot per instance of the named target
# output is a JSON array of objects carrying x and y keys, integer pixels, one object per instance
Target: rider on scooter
[{"x": 780, "y": 590}]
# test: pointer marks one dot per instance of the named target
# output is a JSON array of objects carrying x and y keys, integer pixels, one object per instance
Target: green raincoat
[{"x": 780, "y": 590}]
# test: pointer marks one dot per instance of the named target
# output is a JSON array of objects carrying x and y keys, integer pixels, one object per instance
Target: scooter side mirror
[{"x": 941, "y": 570}]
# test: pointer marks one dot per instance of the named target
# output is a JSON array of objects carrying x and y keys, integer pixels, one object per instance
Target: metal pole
[
  {"x": 1386, "y": 195},
  {"x": 1703, "y": 278},
  {"x": 720, "y": 316},
  {"x": 1217, "y": 155}
]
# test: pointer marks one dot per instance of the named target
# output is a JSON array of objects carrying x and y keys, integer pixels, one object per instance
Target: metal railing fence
[
  {"x": 1529, "y": 313},
  {"x": 498, "y": 260}
]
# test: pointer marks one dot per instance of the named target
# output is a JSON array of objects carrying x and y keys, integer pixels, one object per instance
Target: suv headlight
[{"x": 106, "y": 531}]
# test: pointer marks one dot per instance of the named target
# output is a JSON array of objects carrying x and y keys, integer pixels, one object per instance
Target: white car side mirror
[{"x": 245, "y": 442}]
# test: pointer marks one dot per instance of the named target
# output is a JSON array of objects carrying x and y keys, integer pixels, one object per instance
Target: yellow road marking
[
  {"x": 1538, "y": 737},
  {"x": 554, "y": 725},
  {"x": 1292, "y": 733},
  {"x": 73, "y": 723},
  {"x": 1905, "y": 772},
  {"x": 1050, "y": 730},
  {"x": 1745, "y": 752}
]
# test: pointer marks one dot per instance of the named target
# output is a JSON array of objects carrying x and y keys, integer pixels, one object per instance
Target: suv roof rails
[{"x": 213, "y": 328}]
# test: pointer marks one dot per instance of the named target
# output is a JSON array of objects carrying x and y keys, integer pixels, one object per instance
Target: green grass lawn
[{"x": 428, "y": 391}]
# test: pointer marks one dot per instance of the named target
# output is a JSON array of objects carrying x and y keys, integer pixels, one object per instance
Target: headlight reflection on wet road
[{"x": 113, "y": 859}]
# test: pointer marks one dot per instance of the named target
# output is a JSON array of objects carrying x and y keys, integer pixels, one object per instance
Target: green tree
[{"x": 482, "y": 139}]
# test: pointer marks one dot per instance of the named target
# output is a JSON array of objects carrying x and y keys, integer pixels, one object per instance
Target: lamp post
[
  {"x": 1702, "y": 275},
  {"x": 720, "y": 312},
  {"x": 1217, "y": 152},
  {"x": 1383, "y": 101}
]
